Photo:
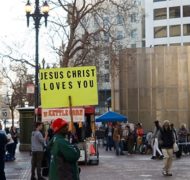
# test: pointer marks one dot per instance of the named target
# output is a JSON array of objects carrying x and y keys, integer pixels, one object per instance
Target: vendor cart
[
  {"x": 82, "y": 133},
  {"x": 88, "y": 144},
  {"x": 89, "y": 152}
]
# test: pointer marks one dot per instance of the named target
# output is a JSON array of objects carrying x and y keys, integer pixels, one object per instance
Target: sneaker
[
  {"x": 161, "y": 157},
  {"x": 153, "y": 157},
  {"x": 169, "y": 174},
  {"x": 164, "y": 173}
]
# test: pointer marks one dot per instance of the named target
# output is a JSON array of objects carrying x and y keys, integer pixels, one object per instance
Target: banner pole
[{"x": 71, "y": 114}]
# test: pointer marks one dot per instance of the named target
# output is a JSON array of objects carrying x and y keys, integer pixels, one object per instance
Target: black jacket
[
  {"x": 3, "y": 142},
  {"x": 166, "y": 138}
]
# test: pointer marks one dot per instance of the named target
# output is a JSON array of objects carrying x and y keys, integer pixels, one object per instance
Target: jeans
[
  {"x": 119, "y": 147},
  {"x": 109, "y": 142},
  {"x": 156, "y": 148},
  {"x": 36, "y": 163}
]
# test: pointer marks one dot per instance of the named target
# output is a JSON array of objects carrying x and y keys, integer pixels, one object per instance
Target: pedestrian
[
  {"x": 155, "y": 140},
  {"x": 64, "y": 155},
  {"x": 1, "y": 129},
  {"x": 109, "y": 137},
  {"x": 14, "y": 136},
  {"x": 139, "y": 133},
  {"x": 182, "y": 134},
  {"x": 166, "y": 139},
  {"x": 37, "y": 147},
  {"x": 182, "y": 139},
  {"x": 3, "y": 142},
  {"x": 117, "y": 139},
  {"x": 9, "y": 146},
  {"x": 129, "y": 139}
]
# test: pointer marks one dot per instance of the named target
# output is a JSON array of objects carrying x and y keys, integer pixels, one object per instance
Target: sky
[{"x": 15, "y": 31}]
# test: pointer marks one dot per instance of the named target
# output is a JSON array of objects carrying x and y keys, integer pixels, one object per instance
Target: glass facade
[
  {"x": 160, "y": 13},
  {"x": 160, "y": 31},
  {"x": 174, "y": 12},
  {"x": 186, "y": 29},
  {"x": 158, "y": 0},
  {"x": 175, "y": 30},
  {"x": 186, "y": 11}
]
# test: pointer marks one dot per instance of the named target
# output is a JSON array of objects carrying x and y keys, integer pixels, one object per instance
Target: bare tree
[
  {"x": 16, "y": 95},
  {"x": 80, "y": 38}
]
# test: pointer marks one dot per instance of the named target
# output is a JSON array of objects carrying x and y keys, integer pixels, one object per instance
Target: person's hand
[{"x": 46, "y": 135}]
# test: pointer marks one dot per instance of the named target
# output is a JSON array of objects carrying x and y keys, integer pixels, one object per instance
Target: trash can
[{"x": 26, "y": 127}]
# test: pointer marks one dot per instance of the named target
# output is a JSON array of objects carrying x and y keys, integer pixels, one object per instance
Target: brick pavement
[
  {"x": 20, "y": 168},
  {"x": 134, "y": 167}
]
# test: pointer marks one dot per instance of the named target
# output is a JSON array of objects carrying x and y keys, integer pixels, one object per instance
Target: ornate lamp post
[{"x": 36, "y": 15}]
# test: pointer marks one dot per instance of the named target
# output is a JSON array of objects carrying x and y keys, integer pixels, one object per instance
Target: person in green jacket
[{"x": 64, "y": 155}]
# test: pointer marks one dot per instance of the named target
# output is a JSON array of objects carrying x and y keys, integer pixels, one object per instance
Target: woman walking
[{"x": 155, "y": 141}]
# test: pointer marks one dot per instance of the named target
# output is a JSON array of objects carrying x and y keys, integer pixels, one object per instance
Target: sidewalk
[{"x": 20, "y": 168}]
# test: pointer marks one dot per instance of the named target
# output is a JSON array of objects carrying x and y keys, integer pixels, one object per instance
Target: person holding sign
[{"x": 64, "y": 155}]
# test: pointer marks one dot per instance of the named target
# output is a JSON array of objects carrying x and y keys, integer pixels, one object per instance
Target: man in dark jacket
[
  {"x": 109, "y": 137},
  {"x": 64, "y": 155},
  {"x": 166, "y": 139},
  {"x": 3, "y": 142}
]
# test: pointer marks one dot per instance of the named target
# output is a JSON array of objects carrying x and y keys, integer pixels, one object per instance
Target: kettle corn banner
[
  {"x": 57, "y": 84},
  {"x": 49, "y": 115}
]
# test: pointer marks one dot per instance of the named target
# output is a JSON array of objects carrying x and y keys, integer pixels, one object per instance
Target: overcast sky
[{"x": 14, "y": 29}]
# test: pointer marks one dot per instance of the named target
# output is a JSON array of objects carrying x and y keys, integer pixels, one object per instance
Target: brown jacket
[{"x": 117, "y": 134}]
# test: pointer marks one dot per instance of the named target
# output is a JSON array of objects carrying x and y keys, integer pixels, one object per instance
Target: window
[
  {"x": 119, "y": 19},
  {"x": 157, "y": 45},
  {"x": 96, "y": 22},
  {"x": 175, "y": 44},
  {"x": 186, "y": 11},
  {"x": 158, "y": 0},
  {"x": 106, "y": 64},
  {"x": 97, "y": 37},
  {"x": 106, "y": 36},
  {"x": 160, "y": 14},
  {"x": 160, "y": 32},
  {"x": 106, "y": 78},
  {"x": 186, "y": 29},
  {"x": 134, "y": 33},
  {"x": 174, "y": 12},
  {"x": 175, "y": 30},
  {"x": 186, "y": 44},
  {"x": 119, "y": 35},
  {"x": 133, "y": 46},
  {"x": 134, "y": 17},
  {"x": 106, "y": 21}
]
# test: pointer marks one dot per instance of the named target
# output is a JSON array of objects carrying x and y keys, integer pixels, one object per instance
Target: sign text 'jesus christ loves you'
[{"x": 57, "y": 84}]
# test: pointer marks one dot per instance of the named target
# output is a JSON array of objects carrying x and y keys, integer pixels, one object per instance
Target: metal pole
[
  {"x": 37, "y": 24},
  {"x": 36, "y": 17}
]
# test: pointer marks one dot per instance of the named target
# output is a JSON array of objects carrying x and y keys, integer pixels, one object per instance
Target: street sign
[{"x": 4, "y": 113}]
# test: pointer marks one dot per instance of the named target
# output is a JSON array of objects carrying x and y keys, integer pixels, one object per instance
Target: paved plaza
[{"x": 111, "y": 167}]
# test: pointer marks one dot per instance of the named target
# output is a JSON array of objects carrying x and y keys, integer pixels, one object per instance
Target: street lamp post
[{"x": 37, "y": 15}]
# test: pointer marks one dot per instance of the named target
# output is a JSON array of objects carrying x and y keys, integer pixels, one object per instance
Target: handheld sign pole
[{"x": 71, "y": 114}]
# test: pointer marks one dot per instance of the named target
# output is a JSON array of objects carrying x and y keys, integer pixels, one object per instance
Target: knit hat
[{"x": 58, "y": 124}]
